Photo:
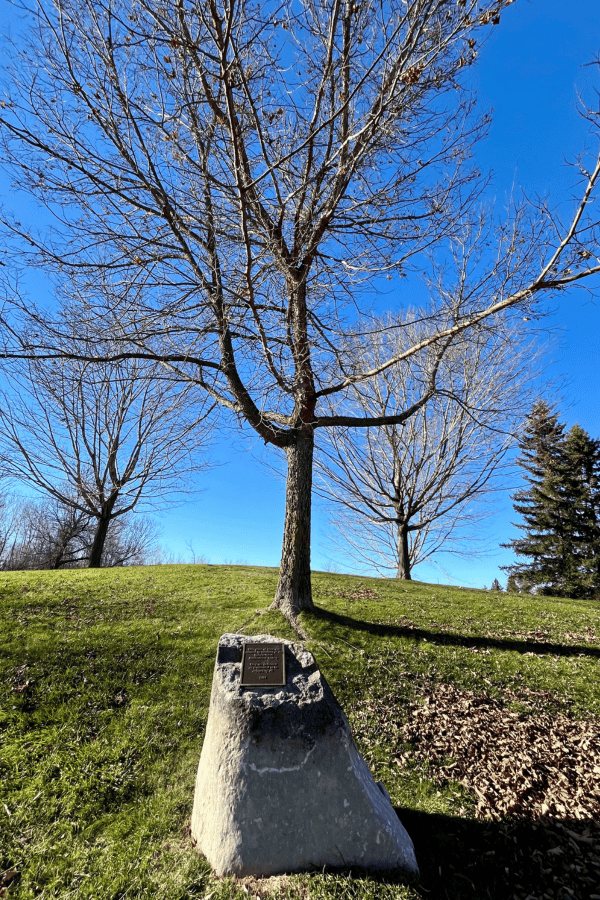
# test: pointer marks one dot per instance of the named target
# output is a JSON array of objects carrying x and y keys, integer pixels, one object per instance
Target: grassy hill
[{"x": 479, "y": 711}]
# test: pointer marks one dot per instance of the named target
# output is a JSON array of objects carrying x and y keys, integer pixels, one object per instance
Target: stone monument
[{"x": 281, "y": 786}]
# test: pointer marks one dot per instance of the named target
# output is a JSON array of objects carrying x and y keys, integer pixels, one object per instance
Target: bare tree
[
  {"x": 240, "y": 173},
  {"x": 49, "y": 534},
  {"x": 44, "y": 534},
  {"x": 56, "y": 534},
  {"x": 8, "y": 520},
  {"x": 401, "y": 493},
  {"x": 132, "y": 541},
  {"x": 19, "y": 550},
  {"x": 99, "y": 439}
]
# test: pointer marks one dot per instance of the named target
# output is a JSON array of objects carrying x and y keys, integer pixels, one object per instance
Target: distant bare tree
[
  {"x": 114, "y": 434},
  {"x": 131, "y": 542},
  {"x": 49, "y": 534},
  {"x": 240, "y": 173},
  {"x": 45, "y": 534},
  {"x": 401, "y": 493},
  {"x": 162, "y": 556},
  {"x": 58, "y": 534},
  {"x": 8, "y": 519}
]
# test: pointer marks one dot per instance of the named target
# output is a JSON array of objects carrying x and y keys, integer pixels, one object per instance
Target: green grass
[{"x": 105, "y": 679}]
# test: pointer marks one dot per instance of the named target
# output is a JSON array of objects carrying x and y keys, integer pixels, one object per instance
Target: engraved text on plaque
[{"x": 263, "y": 665}]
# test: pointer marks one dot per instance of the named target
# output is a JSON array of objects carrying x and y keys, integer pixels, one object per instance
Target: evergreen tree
[
  {"x": 576, "y": 484},
  {"x": 540, "y": 448},
  {"x": 560, "y": 509},
  {"x": 511, "y": 585}
]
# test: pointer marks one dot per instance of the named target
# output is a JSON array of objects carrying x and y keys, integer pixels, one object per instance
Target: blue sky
[{"x": 528, "y": 72}]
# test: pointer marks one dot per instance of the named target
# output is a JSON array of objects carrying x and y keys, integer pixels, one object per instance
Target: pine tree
[
  {"x": 540, "y": 448},
  {"x": 561, "y": 510},
  {"x": 576, "y": 514},
  {"x": 511, "y": 585}
]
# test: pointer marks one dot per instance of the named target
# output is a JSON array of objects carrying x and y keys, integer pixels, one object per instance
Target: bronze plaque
[{"x": 263, "y": 665}]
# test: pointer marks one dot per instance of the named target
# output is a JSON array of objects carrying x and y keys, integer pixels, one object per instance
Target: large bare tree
[
  {"x": 100, "y": 439},
  {"x": 400, "y": 493},
  {"x": 242, "y": 173}
]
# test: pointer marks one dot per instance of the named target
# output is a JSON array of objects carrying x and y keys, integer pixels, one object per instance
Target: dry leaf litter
[{"x": 529, "y": 766}]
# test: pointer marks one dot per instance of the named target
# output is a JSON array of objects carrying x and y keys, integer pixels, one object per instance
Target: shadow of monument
[{"x": 467, "y": 859}]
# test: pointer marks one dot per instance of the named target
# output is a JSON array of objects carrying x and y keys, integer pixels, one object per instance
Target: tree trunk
[
  {"x": 63, "y": 542},
  {"x": 403, "y": 557},
  {"x": 100, "y": 535},
  {"x": 58, "y": 559},
  {"x": 294, "y": 588}
]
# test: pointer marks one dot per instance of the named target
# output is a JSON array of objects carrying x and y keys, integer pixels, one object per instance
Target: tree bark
[
  {"x": 294, "y": 591},
  {"x": 403, "y": 557},
  {"x": 58, "y": 559},
  {"x": 101, "y": 532}
]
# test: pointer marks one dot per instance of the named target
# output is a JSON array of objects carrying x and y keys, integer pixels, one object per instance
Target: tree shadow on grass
[
  {"x": 511, "y": 859},
  {"x": 456, "y": 640},
  {"x": 501, "y": 860}
]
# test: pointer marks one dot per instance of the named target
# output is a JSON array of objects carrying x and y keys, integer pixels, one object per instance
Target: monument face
[{"x": 281, "y": 786}]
